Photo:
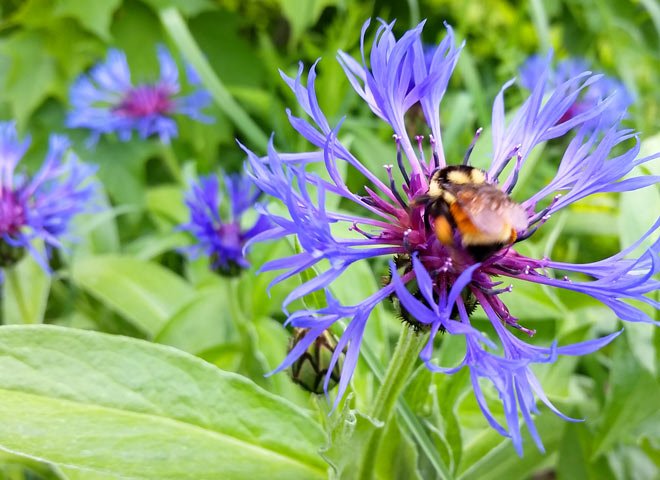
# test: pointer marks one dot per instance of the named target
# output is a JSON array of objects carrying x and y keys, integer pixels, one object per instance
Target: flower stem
[
  {"x": 396, "y": 378},
  {"x": 171, "y": 162},
  {"x": 410, "y": 421},
  {"x": 398, "y": 372},
  {"x": 13, "y": 279}
]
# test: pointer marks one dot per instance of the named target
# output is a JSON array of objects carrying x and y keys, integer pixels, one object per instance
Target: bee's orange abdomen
[
  {"x": 513, "y": 236},
  {"x": 462, "y": 220},
  {"x": 443, "y": 230}
]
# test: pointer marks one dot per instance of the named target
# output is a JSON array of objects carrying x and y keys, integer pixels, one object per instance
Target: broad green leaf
[
  {"x": 70, "y": 473},
  {"x": 148, "y": 247},
  {"x": 32, "y": 73},
  {"x": 119, "y": 406},
  {"x": 166, "y": 203},
  {"x": 25, "y": 292},
  {"x": 16, "y": 467},
  {"x": 97, "y": 233},
  {"x": 202, "y": 323},
  {"x": 93, "y": 16},
  {"x": 143, "y": 292}
]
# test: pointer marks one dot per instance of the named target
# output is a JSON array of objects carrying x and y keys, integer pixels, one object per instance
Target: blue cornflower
[
  {"x": 106, "y": 100},
  {"x": 41, "y": 206},
  {"x": 218, "y": 227},
  {"x": 606, "y": 87},
  {"x": 436, "y": 275}
]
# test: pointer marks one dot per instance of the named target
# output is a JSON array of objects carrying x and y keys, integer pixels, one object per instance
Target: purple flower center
[
  {"x": 12, "y": 212},
  {"x": 574, "y": 110},
  {"x": 145, "y": 100},
  {"x": 230, "y": 236}
]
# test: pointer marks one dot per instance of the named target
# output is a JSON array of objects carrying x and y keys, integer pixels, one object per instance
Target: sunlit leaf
[{"x": 119, "y": 406}]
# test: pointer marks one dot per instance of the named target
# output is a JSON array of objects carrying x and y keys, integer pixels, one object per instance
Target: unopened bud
[{"x": 310, "y": 370}]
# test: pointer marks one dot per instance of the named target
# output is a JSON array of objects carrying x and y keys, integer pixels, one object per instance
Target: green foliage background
[{"x": 135, "y": 410}]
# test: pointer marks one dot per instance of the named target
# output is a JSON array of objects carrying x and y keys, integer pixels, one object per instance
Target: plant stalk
[{"x": 396, "y": 378}]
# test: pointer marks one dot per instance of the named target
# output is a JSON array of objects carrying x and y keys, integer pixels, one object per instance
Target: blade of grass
[
  {"x": 178, "y": 30},
  {"x": 540, "y": 19}
]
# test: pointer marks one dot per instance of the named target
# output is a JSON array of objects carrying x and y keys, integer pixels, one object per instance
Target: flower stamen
[
  {"x": 395, "y": 190},
  {"x": 468, "y": 152},
  {"x": 399, "y": 159}
]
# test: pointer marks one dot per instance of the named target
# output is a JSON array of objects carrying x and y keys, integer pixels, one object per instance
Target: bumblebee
[{"x": 461, "y": 201}]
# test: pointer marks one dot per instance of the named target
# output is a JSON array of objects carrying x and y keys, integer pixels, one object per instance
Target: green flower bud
[{"x": 310, "y": 370}]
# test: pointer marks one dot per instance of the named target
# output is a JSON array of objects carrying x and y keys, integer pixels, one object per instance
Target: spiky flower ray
[
  {"x": 607, "y": 86},
  {"x": 392, "y": 221},
  {"x": 41, "y": 206}
]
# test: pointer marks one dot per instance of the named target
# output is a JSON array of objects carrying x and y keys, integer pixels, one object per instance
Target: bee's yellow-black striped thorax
[{"x": 461, "y": 200}]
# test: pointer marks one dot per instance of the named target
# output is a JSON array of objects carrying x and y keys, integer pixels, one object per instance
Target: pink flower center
[
  {"x": 144, "y": 101},
  {"x": 12, "y": 212},
  {"x": 230, "y": 236}
]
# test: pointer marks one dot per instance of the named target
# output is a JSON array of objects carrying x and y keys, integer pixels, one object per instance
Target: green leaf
[
  {"x": 136, "y": 31},
  {"x": 32, "y": 73},
  {"x": 166, "y": 203},
  {"x": 397, "y": 456},
  {"x": 143, "y": 292},
  {"x": 93, "y": 16},
  {"x": 200, "y": 324},
  {"x": 214, "y": 31},
  {"x": 349, "y": 432},
  {"x": 69, "y": 473},
  {"x": 634, "y": 221},
  {"x": 491, "y": 456},
  {"x": 302, "y": 14},
  {"x": 632, "y": 399},
  {"x": 120, "y": 406},
  {"x": 121, "y": 168},
  {"x": 25, "y": 292},
  {"x": 575, "y": 456}
]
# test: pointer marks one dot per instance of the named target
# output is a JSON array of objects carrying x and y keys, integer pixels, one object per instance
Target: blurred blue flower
[
  {"x": 41, "y": 206},
  {"x": 106, "y": 100},
  {"x": 605, "y": 87},
  {"x": 438, "y": 283},
  {"x": 218, "y": 227}
]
